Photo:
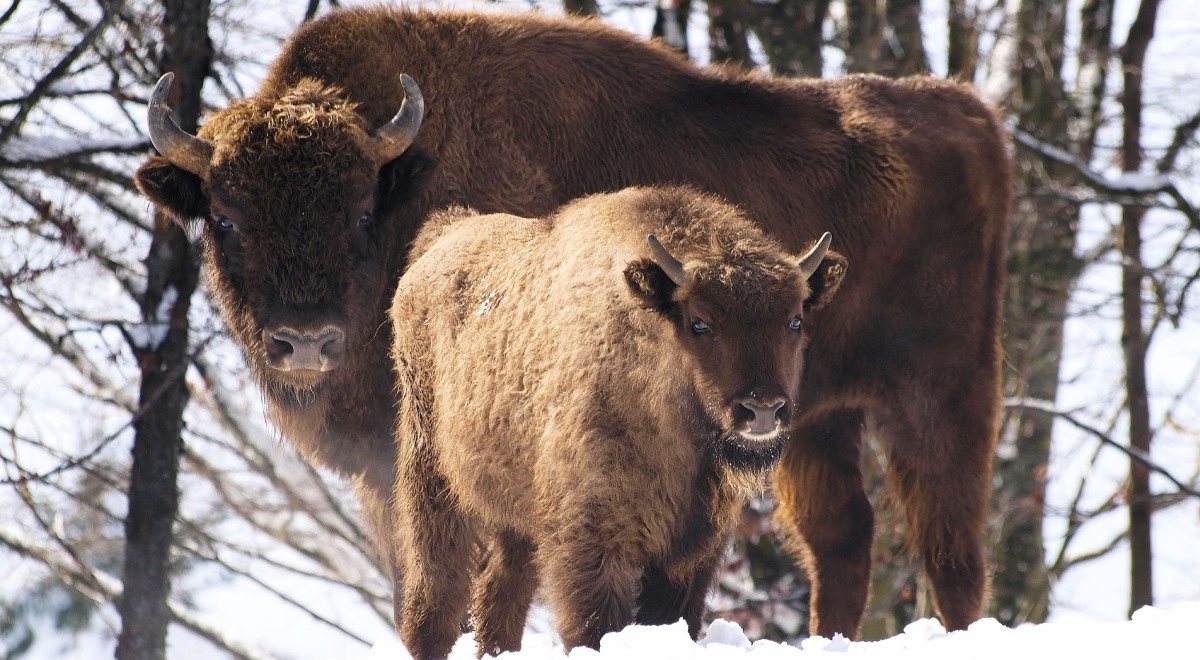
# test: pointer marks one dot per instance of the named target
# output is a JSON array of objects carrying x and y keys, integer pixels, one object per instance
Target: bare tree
[{"x": 1133, "y": 334}]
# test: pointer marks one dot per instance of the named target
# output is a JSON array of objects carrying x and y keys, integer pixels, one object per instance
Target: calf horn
[
  {"x": 183, "y": 149},
  {"x": 394, "y": 137},
  {"x": 670, "y": 265},
  {"x": 810, "y": 261}
]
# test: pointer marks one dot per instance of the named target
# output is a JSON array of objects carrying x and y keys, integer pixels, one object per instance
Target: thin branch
[
  {"x": 60, "y": 70},
  {"x": 1049, "y": 408},
  {"x": 1183, "y": 135},
  {"x": 103, "y": 588}
]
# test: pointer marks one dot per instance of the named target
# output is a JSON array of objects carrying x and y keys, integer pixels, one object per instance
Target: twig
[{"x": 1135, "y": 455}]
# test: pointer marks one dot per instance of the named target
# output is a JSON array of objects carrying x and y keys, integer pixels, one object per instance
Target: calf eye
[
  {"x": 699, "y": 327},
  {"x": 796, "y": 323}
]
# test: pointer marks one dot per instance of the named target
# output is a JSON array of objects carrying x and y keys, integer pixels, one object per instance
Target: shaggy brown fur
[
  {"x": 558, "y": 395},
  {"x": 527, "y": 112}
]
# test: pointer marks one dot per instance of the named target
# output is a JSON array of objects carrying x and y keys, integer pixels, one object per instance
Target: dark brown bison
[
  {"x": 309, "y": 206},
  {"x": 595, "y": 403}
]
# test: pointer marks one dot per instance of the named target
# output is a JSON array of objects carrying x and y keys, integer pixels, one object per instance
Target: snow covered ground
[{"x": 1151, "y": 634}]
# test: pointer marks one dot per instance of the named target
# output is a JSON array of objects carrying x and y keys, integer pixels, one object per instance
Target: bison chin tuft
[
  {"x": 295, "y": 392},
  {"x": 742, "y": 454}
]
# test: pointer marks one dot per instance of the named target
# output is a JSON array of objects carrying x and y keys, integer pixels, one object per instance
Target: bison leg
[
  {"x": 436, "y": 548},
  {"x": 378, "y": 515},
  {"x": 827, "y": 519},
  {"x": 503, "y": 593},
  {"x": 663, "y": 600},
  {"x": 940, "y": 463},
  {"x": 591, "y": 589}
]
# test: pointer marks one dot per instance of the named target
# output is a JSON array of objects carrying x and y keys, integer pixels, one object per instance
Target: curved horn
[
  {"x": 175, "y": 144},
  {"x": 810, "y": 261},
  {"x": 670, "y": 265},
  {"x": 394, "y": 137}
]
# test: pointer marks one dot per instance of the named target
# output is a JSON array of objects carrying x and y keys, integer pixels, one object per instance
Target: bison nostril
[
  {"x": 278, "y": 346},
  {"x": 762, "y": 417},
  {"x": 333, "y": 347},
  {"x": 292, "y": 350}
]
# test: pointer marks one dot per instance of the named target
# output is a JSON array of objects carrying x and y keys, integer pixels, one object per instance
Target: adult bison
[
  {"x": 309, "y": 200},
  {"x": 591, "y": 401}
]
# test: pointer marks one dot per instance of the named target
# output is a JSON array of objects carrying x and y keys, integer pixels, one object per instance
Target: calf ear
[
  {"x": 825, "y": 280},
  {"x": 402, "y": 178},
  {"x": 174, "y": 190},
  {"x": 650, "y": 285}
]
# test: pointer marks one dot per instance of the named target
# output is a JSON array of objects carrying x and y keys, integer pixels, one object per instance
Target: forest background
[{"x": 111, "y": 353}]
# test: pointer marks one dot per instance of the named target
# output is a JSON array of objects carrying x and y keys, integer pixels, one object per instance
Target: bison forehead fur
[
  {"x": 310, "y": 141},
  {"x": 547, "y": 395}
]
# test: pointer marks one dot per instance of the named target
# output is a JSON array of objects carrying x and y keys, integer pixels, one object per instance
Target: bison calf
[{"x": 572, "y": 389}]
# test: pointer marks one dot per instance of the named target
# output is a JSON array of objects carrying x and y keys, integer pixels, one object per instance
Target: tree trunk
[
  {"x": 1043, "y": 267},
  {"x": 790, "y": 32},
  {"x": 727, "y": 43},
  {"x": 863, "y": 36},
  {"x": 171, "y": 276},
  {"x": 903, "y": 48},
  {"x": 962, "y": 57},
  {"x": 581, "y": 7},
  {"x": 670, "y": 23},
  {"x": 1133, "y": 336}
]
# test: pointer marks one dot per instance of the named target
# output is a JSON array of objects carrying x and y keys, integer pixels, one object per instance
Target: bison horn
[
  {"x": 394, "y": 137},
  {"x": 670, "y": 265},
  {"x": 183, "y": 149},
  {"x": 810, "y": 261}
]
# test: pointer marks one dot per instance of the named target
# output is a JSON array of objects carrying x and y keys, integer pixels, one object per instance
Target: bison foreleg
[
  {"x": 503, "y": 592},
  {"x": 591, "y": 590},
  {"x": 665, "y": 599},
  {"x": 436, "y": 548}
]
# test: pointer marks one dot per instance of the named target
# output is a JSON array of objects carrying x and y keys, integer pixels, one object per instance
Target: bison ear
[
  {"x": 403, "y": 177},
  {"x": 650, "y": 285},
  {"x": 825, "y": 280},
  {"x": 174, "y": 190}
]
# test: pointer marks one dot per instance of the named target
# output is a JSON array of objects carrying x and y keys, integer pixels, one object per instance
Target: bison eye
[
  {"x": 796, "y": 323},
  {"x": 366, "y": 220},
  {"x": 699, "y": 327},
  {"x": 225, "y": 224}
]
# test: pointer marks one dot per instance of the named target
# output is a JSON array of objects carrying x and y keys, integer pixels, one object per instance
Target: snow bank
[{"x": 1152, "y": 634}]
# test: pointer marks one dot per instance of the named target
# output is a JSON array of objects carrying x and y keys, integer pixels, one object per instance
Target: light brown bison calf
[{"x": 573, "y": 390}]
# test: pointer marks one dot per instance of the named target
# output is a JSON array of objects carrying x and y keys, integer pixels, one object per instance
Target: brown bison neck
[{"x": 345, "y": 427}]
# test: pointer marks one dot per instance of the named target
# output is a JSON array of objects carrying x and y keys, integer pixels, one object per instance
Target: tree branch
[
  {"x": 1049, "y": 408},
  {"x": 1130, "y": 185}
]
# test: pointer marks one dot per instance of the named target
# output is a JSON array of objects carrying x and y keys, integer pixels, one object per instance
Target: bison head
[
  {"x": 742, "y": 314},
  {"x": 292, "y": 191}
]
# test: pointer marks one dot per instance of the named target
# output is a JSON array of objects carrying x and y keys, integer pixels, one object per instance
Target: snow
[{"x": 1151, "y": 634}]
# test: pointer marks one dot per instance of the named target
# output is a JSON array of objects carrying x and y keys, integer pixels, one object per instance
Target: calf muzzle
[
  {"x": 291, "y": 349},
  {"x": 760, "y": 417}
]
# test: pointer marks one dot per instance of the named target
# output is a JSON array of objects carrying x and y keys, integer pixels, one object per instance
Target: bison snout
[
  {"x": 756, "y": 418},
  {"x": 289, "y": 349}
]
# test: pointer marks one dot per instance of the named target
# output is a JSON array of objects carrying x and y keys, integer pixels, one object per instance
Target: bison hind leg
[
  {"x": 503, "y": 592},
  {"x": 827, "y": 520},
  {"x": 940, "y": 465}
]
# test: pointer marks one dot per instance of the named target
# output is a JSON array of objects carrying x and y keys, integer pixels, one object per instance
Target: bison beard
[
  {"x": 751, "y": 457},
  {"x": 911, "y": 175}
]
